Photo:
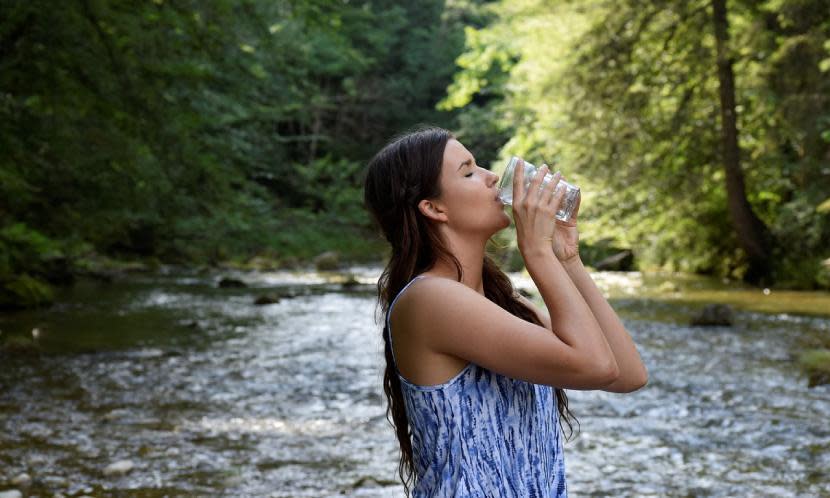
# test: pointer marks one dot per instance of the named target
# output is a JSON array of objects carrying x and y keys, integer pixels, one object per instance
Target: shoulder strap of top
[{"x": 389, "y": 314}]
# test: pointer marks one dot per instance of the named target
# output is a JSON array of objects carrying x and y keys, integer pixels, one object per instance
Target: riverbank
[
  {"x": 206, "y": 393},
  {"x": 34, "y": 277}
]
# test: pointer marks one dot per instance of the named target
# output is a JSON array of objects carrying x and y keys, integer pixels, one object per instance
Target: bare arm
[
  {"x": 632, "y": 373},
  {"x": 448, "y": 317},
  {"x": 571, "y": 317}
]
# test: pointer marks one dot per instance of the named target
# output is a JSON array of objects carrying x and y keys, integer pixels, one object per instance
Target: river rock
[
  {"x": 260, "y": 263},
  {"x": 622, "y": 261},
  {"x": 190, "y": 324},
  {"x": 230, "y": 283},
  {"x": 350, "y": 283},
  {"x": 267, "y": 299},
  {"x": 135, "y": 267},
  {"x": 816, "y": 364},
  {"x": 12, "y": 493},
  {"x": 327, "y": 261},
  {"x": 668, "y": 288},
  {"x": 104, "y": 276},
  {"x": 117, "y": 414},
  {"x": 120, "y": 467},
  {"x": 22, "y": 480},
  {"x": 713, "y": 315}
]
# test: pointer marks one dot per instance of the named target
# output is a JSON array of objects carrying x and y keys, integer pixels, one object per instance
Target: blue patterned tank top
[{"x": 483, "y": 435}]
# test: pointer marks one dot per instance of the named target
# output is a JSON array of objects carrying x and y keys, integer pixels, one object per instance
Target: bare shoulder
[{"x": 444, "y": 319}]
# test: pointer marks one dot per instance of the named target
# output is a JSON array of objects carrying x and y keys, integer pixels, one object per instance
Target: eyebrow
[{"x": 466, "y": 163}]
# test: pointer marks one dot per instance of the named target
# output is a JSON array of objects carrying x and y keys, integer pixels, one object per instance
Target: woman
[{"x": 474, "y": 371}]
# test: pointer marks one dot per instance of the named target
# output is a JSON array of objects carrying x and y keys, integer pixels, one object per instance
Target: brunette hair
[{"x": 405, "y": 171}]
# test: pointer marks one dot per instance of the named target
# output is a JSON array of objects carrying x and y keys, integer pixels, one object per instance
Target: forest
[{"x": 237, "y": 132}]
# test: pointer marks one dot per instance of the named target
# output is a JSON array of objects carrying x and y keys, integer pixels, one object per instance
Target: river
[{"x": 206, "y": 394}]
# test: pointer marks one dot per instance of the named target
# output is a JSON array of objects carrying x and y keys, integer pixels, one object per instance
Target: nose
[{"x": 494, "y": 178}]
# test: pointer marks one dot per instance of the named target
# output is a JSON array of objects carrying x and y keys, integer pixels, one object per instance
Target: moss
[
  {"x": 816, "y": 364},
  {"x": 23, "y": 291},
  {"x": 18, "y": 344}
]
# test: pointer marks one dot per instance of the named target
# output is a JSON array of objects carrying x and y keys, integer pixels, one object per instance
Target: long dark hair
[{"x": 405, "y": 171}]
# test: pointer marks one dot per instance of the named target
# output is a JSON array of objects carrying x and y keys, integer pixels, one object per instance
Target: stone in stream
[
  {"x": 816, "y": 364},
  {"x": 120, "y": 467},
  {"x": 267, "y": 299},
  {"x": 12, "y": 493},
  {"x": 713, "y": 315},
  {"x": 22, "y": 480},
  {"x": 328, "y": 260},
  {"x": 668, "y": 288},
  {"x": 231, "y": 283},
  {"x": 350, "y": 283},
  {"x": 622, "y": 261}
]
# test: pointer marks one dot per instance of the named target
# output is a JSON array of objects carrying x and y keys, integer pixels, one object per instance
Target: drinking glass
[{"x": 569, "y": 202}]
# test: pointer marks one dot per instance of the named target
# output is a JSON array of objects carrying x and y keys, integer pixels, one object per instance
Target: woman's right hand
[{"x": 534, "y": 211}]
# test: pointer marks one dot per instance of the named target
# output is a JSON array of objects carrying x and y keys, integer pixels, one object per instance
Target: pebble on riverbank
[
  {"x": 22, "y": 480},
  {"x": 120, "y": 467},
  {"x": 713, "y": 315},
  {"x": 11, "y": 493}
]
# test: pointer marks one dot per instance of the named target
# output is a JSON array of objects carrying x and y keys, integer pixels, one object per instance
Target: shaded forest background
[{"x": 230, "y": 131}]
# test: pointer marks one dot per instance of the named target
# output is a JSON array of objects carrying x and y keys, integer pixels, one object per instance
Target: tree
[
  {"x": 753, "y": 234},
  {"x": 625, "y": 95}
]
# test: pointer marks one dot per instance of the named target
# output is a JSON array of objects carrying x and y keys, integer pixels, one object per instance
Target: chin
[
  {"x": 505, "y": 220},
  {"x": 505, "y": 223}
]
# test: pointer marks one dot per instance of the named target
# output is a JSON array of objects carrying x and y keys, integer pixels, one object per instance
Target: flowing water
[{"x": 207, "y": 394}]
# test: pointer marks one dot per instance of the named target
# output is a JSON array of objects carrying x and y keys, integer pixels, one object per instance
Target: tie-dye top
[{"x": 483, "y": 435}]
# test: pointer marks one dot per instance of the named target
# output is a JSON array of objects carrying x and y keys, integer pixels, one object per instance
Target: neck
[{"x": 470, "y": 253}]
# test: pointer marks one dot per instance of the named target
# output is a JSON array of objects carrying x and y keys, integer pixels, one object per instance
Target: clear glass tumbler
[{"x": 569, "y": 202}]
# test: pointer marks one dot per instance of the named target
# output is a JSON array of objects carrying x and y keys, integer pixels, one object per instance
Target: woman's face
[{"x": 468, "y": 193}]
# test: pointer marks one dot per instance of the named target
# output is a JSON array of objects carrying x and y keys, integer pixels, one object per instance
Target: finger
[
  {"x": 536, "y": 186},
  {"x": 551, "y": 189},
  {"x": 557, "y": 199},
  {"x": 538, "y": 178},
  {"x": 518, "y": 182}
]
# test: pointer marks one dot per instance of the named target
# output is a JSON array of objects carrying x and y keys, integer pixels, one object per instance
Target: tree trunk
[{"x": 753, "y": 235}]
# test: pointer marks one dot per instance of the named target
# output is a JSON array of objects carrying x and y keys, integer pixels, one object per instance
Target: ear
[{"x": 432, "y": 210}]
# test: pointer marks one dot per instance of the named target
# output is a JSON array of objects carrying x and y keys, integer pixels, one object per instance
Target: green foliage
[
  {"x": 194, "y": 131},
  {"x": 624, "y": 96},
  {"x": 332, "y": 185},
  {"x": 22, "y": 249},
  {"x": 198, "y": 132},
  {"x": 23, "y": 291}
]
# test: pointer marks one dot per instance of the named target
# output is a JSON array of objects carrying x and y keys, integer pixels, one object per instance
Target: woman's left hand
[{"x": 566, "y": 236}]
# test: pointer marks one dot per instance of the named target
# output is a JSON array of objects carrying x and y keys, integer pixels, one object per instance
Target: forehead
[{"x": 454, "y": 154}]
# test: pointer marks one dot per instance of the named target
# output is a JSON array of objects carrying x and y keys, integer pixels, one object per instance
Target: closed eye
[{"x": 467, "y": 175}]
